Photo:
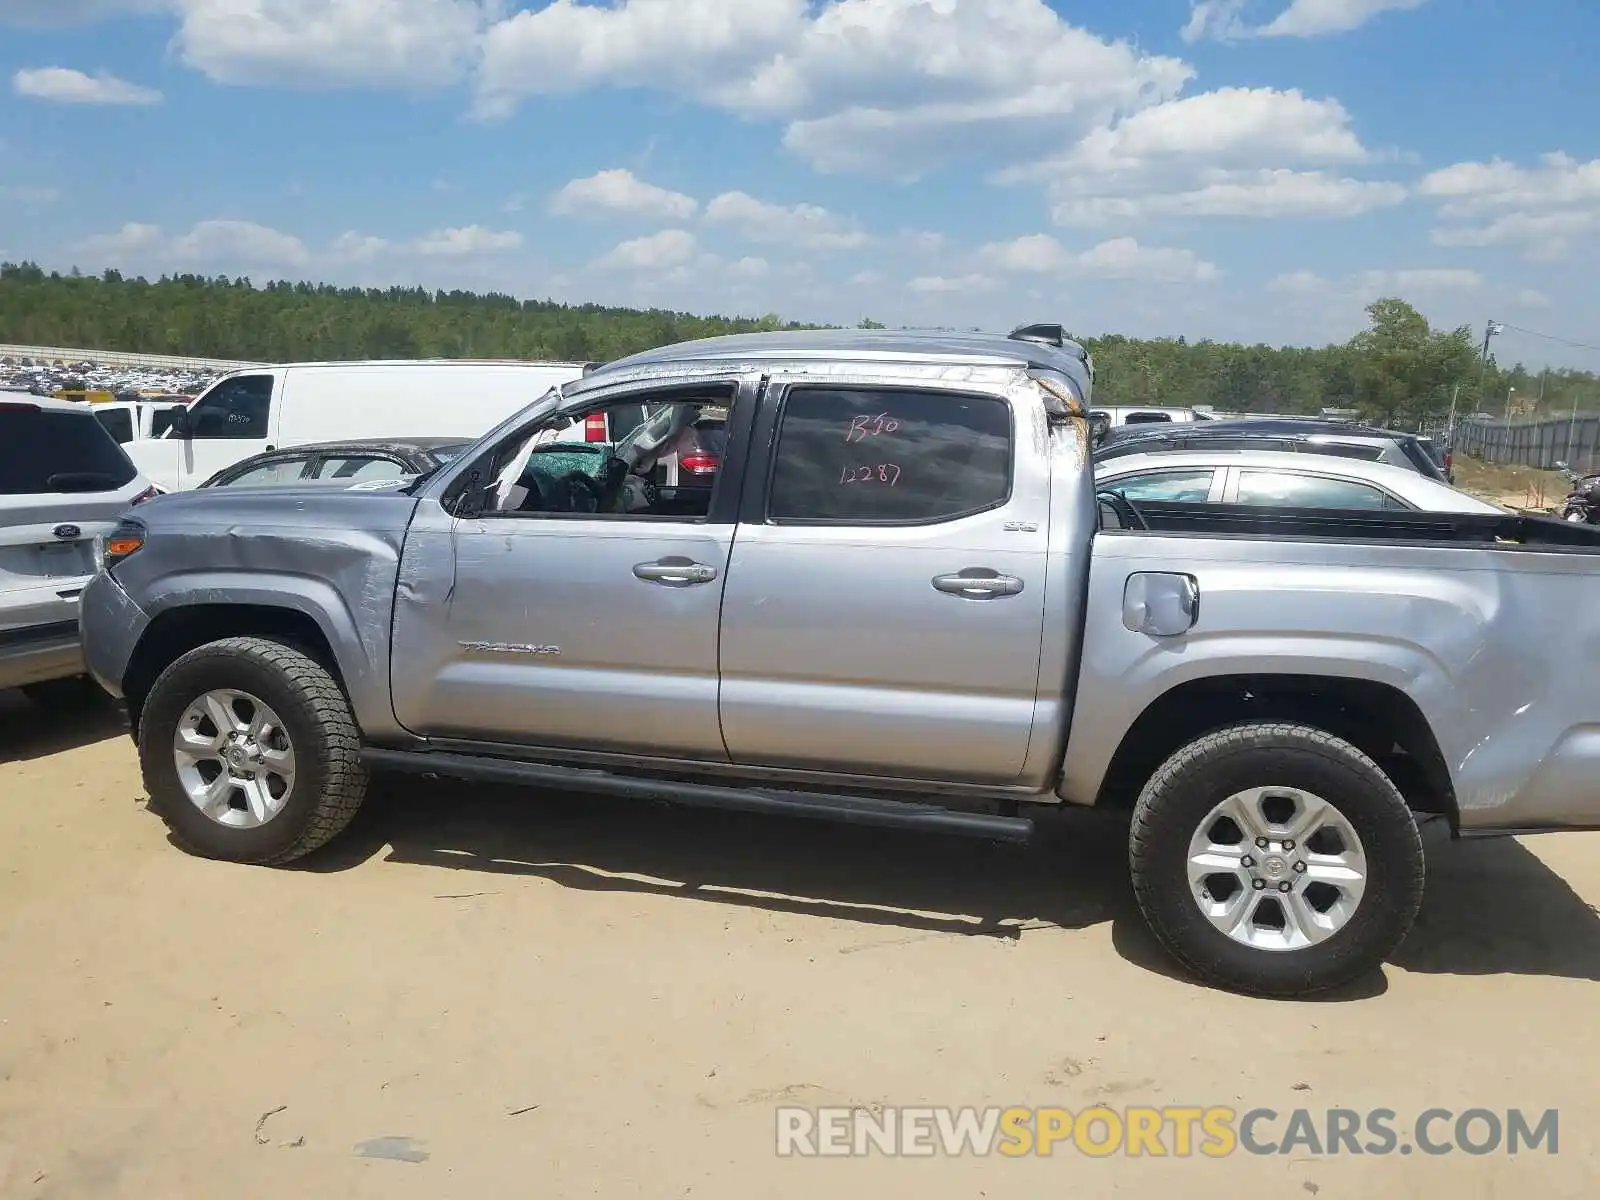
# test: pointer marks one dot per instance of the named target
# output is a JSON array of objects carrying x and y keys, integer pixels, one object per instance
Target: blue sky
[{"x": 1241, "y": 169}]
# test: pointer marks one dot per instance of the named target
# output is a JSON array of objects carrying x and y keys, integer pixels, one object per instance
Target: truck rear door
[{"x": 886, "y": 590}]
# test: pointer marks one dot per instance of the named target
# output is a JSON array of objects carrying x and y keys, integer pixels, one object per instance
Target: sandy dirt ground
[
  {"x": 556, "y": 996},
  {"x": 1525, "y": 489}
]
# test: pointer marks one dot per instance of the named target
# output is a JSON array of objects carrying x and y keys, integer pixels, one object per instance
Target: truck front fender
[{"x": 341, "y": 580}]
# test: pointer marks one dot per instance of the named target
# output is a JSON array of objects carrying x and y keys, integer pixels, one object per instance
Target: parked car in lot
[
  {"x": 136, "y": 420},
  {"x": 359, "y": 460},
  {"x": 272, "y": 408},
  {"x": 63, "y": 483},
  {"x": 1283, "y": 433},
  {"x": 903, "y": 602},
  {"x": 1104, "y": 418},
  {"x": 1280, "y": 479}
]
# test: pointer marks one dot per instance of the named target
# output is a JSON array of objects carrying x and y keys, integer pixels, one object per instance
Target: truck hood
[{"x": 309, "y": 506}]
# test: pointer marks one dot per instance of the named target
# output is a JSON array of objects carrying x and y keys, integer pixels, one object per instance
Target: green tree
[
  {"x": 1398, "y": 370},
  {"x": 1405, "y": 371}
]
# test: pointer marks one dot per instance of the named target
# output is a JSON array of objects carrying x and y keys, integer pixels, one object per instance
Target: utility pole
[{"x": 1489, "y": 330}]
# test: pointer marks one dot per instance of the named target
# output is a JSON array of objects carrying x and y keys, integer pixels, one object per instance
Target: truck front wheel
[
  {"x": 250, "y": 752},
  {"x": 1275, "y": 859}
]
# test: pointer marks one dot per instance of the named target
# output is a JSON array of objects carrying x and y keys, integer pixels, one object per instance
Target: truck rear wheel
[
  {"x": 250, "y": 752},
  {"x": 1275, "y": 859}
]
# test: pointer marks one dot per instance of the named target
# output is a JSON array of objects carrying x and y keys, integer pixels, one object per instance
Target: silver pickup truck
[{"x": 900, "y": 602}]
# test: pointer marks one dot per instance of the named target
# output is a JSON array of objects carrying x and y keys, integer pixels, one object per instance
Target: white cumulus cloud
[
  {"x": 938, "y": 285},
  {"x": 1229, "y": 125},
  {"x": 218, "y": 244},
  {"x": 1542, "y": 210},
  {"x": 63, "y": 85},
  {"x": 405, "y": 44},
  {"x": 1260, "y": 195},
  {"x": 1317, "y": 18},
  {"x": 881, "y": 86},
  {"x": 1236, "y": 152},
  {"x": 60, "y": 13},
  {"x": 1393, "y": 282},
  {"x": 656, "y": 252},
  {"x": 802, "y": 225},
  {"x": 1118, "y": 258},
  {"x": 618, "y": 192},
  {"x": 353, "y": 247},
  {"x": 1223, "y": 20},
  {"x": 467, "y": 241}
]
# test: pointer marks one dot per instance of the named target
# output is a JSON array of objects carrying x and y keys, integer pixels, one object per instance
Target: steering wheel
[
  {"x": 533, "y": 487},
  {"x": 576, "y": 492},
  {"x": 1128, "y": 517}
]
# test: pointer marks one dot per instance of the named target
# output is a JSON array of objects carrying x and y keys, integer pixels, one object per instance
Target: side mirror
[{"x": 182, "y": 426}]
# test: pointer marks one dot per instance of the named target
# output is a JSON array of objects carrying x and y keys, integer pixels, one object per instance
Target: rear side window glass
[
  {"x": 869, "y": 456},
  {"x": 1343, "y": 450},
  {"x": 58, "y": 452},
  {"x": 118, "y": 422},
  {"x": 1223, "y": 442},
  {"x": 1146, "y": 418},
  {"x": 283, "y": 470},
  {"x": 1286, "y": 489},
  {"x": 1185, "y": 487},
  {"x": 235, "y": 408},
  {"x": 358, "y": 467}
]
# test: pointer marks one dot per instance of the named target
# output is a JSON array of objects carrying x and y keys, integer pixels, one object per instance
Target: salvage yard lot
[{"x": 643, "y": 986}]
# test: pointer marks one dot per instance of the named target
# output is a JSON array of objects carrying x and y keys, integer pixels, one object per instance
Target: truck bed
[
  {"x": 1346, "y": 525},
  {"x": 1485, "y": 625}
]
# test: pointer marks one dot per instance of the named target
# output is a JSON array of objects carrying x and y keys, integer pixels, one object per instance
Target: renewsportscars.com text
[{"x": 1158, "y": 1132}]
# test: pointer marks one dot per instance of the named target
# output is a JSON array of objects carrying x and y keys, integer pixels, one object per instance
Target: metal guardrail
[{"x": 62, "y": 355}]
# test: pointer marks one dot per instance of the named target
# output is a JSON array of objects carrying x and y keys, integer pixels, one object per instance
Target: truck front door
[
  {"x": 579, "y": 608},
  {"x": 886, "y": 591}
]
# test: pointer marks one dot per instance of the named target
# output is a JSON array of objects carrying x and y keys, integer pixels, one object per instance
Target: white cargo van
[{"x": 263, "y": 408}]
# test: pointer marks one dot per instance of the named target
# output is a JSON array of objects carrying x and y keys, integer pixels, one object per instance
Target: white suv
[{"x": 63, "y": 482}]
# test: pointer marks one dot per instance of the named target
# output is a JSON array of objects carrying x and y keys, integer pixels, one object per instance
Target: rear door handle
[
  {"x": 674, "y": 571},
  {"x": 978, "y": 583}
]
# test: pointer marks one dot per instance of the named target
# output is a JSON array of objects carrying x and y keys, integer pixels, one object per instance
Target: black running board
[{"x": 852, "y": 810}]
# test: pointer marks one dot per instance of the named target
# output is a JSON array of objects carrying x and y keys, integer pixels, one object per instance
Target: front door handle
[
  {"x": 978, "y": 583},
  {"x": 674, "y": 571}
]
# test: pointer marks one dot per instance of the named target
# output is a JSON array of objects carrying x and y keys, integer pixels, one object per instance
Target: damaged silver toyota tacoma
[{"x": 866, "y": 576}]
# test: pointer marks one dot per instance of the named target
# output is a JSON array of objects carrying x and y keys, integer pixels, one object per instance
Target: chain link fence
[{"x": 1542, "y": 444}]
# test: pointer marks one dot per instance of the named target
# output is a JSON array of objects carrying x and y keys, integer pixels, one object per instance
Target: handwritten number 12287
[{"x": 887, "y": 474}]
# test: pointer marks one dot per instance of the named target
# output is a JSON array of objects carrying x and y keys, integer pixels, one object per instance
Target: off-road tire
[
  {"x": 330, "y": 782},
  {"x": 1178, "y": 797}
]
